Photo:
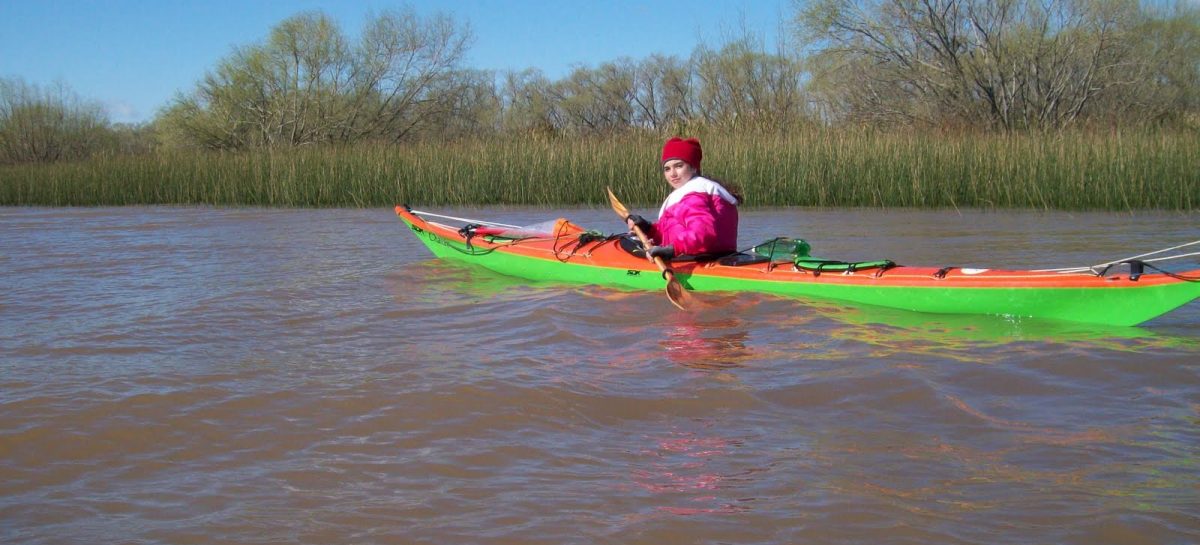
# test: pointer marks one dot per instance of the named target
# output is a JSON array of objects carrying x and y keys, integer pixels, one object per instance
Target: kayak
[{"x": 563, "y": 252}]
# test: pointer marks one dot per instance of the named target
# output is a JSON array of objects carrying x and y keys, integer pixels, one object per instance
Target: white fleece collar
[{"x": 698, "y": 184}]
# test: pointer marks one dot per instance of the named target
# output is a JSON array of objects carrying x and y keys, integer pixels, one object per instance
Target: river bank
[{"x": 1116, "y": 171}]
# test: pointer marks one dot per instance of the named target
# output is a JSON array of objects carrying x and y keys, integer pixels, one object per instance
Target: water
[{"x": 191, "y": 375}]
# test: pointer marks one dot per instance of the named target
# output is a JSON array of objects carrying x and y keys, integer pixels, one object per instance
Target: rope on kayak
[
  {"x": 1137, "y": 267},
  {"x": 581, "y": 240},
  {"x": 563, "y": 232},
  {"x": 771, "y": 247},
  {"x": 468, "y": 232},
  {"x": 819, "y": 266},
  {"x": 778, "y": 247},
  {"x": 1176, "y": 276},
  {"x": 477, "y": 222},
  {"x": 1105, "y": 266}
]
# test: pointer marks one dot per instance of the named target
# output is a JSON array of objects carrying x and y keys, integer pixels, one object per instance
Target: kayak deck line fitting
[{"x": 1124, "y": 292}]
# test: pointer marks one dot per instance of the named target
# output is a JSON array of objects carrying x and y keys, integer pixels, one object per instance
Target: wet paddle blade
[
  {"x": 678, "y": 295},
  {"x": 616, "y": 204}
]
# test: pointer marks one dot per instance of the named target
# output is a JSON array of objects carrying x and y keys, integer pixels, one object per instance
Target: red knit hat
[{"x": 687, "y": 151}]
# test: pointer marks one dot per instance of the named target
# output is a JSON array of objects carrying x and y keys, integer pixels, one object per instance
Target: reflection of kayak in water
[
  {"x": 563, "y": 252},
  {"x": 967, "y": 337}
]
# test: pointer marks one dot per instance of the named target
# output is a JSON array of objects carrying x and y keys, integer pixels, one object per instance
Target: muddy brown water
[{"x": 197, "y": 375}]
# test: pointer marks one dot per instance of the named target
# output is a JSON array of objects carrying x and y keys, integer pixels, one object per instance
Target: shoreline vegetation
[
  {"x": 947, "y": 104},
  {"x": 1117, "y": 170}
]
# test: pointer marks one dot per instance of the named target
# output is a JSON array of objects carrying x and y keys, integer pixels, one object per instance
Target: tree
[
  {"x": 527, "y": 103},
  {"x": 405, "y": 74},
  {"x": 664, "y": 93},
  {"x": 472, "y": 109},
  {"x": 40, "y": 125},
  {"x": 597, "y": 100},
  {"x": 308, "y": 85},
  {"x": 741, "y": 85},
  {"x": 1005, "y": 64},
  {"x": 1167, "y": 88}
]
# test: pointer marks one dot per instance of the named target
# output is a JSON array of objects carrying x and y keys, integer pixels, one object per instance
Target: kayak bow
[{"x": 574, "y": 255}]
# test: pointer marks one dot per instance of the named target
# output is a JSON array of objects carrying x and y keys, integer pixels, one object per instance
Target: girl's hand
[{"x": 639, "y": 221}]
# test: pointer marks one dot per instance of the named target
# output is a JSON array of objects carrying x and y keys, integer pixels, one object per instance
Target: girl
[{"x": 700, "y": 215}]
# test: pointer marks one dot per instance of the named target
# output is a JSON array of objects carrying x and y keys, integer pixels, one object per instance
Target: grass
[{"x": 1083, "y": 170}]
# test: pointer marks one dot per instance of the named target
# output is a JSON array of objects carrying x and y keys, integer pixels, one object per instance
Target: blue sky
[{"x": 135, "y": 56}]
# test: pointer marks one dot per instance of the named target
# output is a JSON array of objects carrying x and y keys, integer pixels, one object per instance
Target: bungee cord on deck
[
  {"x": 466, "y": 220},
  {"x": 1103, "y": 267}
]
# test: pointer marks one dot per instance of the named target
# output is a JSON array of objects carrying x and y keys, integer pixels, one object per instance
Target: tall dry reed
[{"x": 1071, "y": 171}]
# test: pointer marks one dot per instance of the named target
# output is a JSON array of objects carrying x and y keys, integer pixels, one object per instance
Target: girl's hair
[{"x": 731, "y": 187}]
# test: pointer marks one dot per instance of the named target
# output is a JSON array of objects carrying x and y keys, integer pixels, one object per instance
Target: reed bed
[{"x": 826, "y": 168}]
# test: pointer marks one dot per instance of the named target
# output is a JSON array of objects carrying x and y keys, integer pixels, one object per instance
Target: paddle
[{"x": 675, "y": 291}]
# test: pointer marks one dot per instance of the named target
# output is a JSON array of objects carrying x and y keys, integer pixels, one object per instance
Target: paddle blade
[
  {"x": 616, "y": 204},
  {"x": 678, "y": 295}
]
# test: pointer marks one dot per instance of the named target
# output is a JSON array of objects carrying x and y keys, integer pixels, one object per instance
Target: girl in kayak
[{"x": 700, "y": 215}]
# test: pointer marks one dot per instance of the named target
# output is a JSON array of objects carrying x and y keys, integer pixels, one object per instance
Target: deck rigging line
[
  {"x": 1104, "y": 266},
  {"x": 467, "y": 220}
]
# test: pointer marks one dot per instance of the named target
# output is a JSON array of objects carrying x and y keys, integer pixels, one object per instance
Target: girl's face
[{"x": 677, "y": 172}]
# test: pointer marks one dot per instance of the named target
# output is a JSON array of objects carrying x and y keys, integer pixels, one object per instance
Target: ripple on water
[{"x": 198, "y": 375}]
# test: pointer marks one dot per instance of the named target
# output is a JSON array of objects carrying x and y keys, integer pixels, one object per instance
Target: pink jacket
[{"x": 698, "y": 218}]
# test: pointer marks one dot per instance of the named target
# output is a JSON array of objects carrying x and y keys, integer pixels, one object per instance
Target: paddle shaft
[
  {"x": 647, "y": 244},
  {"x": 678, "y": 295}
]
